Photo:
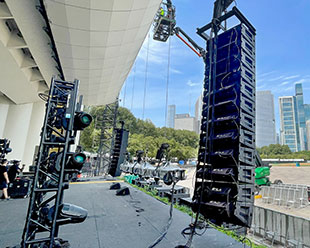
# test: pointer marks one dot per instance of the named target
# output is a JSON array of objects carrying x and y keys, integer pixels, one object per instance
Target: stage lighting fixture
[
  {"x": 67, "y": 214},
  {"x": 82, "y": 120},
  {"x": 139, "y": 155},
  {"x": 76, "y": 161},
  {"x": 4, "y": 147},
  {"x": 161, "y": 151}
]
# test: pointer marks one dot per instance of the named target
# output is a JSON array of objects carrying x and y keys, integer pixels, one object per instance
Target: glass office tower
[
  {"x": 170, "y": 116},
  {"x": 289, "y": 123},
  {"x": 301, "y": 116}
]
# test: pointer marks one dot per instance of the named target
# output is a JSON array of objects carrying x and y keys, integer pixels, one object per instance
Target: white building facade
[
  {"x": 289, "y": 123},
  {"x": 184, "y": 122},
  {"x": 265, "y": 119}
]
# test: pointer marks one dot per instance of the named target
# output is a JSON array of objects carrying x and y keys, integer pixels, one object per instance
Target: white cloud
[
  {"x": 191, "y": 84},
  {"x": 265, "y": 74},
  {"x": 300, "y": 81},
  {"x": 175, "y": 71},
  {"x": 261, "y": 87},
  {"x": 289, "y": 88},
  {"x": 291, "y": 77},
  {"x": 277, "y": 78},
  {"x": 285, "y": 83}
]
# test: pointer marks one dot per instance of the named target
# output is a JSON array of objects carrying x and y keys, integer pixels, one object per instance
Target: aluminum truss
[
  {"x": 107, "y": 124},
  {"x": 46, "y": 207}
]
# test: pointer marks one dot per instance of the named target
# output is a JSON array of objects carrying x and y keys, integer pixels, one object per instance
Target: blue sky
[{"x": 282, "y": 57}]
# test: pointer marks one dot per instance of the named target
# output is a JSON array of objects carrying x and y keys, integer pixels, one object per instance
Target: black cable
[
  {"x": 194, "y": 225},
  {"x": 134, "y": 204},
  {"x": 166, "y": 228}
]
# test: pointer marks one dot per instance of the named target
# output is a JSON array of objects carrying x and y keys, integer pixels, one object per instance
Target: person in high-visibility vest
[{"x": 161, "y": 12}]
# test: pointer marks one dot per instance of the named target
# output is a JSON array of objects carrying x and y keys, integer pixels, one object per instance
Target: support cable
[
  {"x": 167, "y": 84},
  {"x": 124, "y": 100},
  {"x": 145, "y": 79},
  {"x": 133, "y": 86}
]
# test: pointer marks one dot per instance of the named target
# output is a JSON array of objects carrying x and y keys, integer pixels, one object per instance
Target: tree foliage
[
  {"x": 281, "y": 151},
  {"x": 143, "y": 135}
]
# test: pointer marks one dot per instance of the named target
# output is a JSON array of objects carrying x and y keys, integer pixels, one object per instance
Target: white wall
[
  {"x": 34, "y": 131},
  {"x": 16, "y": 129},
  {"x": 22, "y": 124},
  {"x": 4, "y": 108}
]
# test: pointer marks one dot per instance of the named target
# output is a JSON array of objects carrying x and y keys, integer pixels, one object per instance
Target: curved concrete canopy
[
  {"x": 98, "y": 40},
  {"x": 26, "y": 62}
]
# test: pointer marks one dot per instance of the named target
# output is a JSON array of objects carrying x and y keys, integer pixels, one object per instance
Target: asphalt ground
[{"x": 133, "y": 221}]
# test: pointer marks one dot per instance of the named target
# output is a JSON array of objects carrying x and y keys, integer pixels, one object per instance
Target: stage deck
[{"x": 133, "y": 221}]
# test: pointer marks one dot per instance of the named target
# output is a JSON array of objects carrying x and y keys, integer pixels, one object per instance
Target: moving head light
[
  {"x": 161, "y": 151},
  {"x": 67, "y": 214},
  {"x": 75, "y": 161},
  {"x": 139, "y": 155},
  {"x": 82, "y": 120},
  {"x": 165, "y": 170},
  {"x": 4, "y": 147}
]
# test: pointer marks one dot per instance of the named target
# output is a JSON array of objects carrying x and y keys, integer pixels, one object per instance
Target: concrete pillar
[
  {"x": 34, "y": 131},
  {"x": 4, "y": 108},
  {"x": 16, "y": 128}
]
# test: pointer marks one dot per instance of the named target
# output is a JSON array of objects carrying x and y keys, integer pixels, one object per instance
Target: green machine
[
  {"x": 262, "y": 173},
  {"x": 261, "y": 176}
]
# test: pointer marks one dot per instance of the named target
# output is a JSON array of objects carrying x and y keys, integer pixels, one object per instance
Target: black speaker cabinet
[{"x": 224, "y": 187}]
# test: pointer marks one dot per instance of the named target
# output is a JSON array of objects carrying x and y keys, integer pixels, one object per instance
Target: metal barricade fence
[
  {"x": 285, "y": 195},
  {"x": 281, "y": 228}
]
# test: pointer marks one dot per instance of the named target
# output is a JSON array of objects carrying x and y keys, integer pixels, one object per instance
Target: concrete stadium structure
[{"x": 95, "y": 41}]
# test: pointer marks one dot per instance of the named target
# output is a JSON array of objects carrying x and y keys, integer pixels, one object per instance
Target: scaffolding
[{"x": 107, "y": 124}]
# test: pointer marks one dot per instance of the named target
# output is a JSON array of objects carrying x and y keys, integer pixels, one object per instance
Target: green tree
[{"x": 144, "y": 135}]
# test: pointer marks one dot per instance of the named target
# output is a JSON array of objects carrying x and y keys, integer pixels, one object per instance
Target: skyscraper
[
  {"x": 301, "y": 116},
  {"x": 289, "y": 130},
  {"x": 308, "y": 133},
  {"x": 265, "y": 119},
  {"x": 170, "y": 116},
  {"x": 307, "y": 112}
]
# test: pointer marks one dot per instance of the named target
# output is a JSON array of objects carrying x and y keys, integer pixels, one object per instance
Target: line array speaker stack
[
  {"x": 119, "y": 151},
  {"x": 224, "y": 189}
]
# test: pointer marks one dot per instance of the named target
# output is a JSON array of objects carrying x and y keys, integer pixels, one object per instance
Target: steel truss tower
[
  {"x": 107, "y": 124},
  {"x": 55, "y": 164}
]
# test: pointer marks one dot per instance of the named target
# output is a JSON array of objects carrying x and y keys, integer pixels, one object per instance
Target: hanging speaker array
[{"x": 224, "y": 188}]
